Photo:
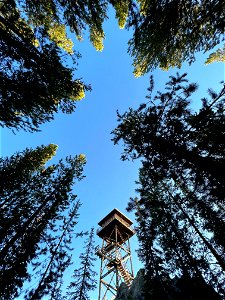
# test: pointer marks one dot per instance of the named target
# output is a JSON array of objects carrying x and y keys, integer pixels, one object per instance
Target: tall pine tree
[
  {"x": 168, "y": 33},
  {"x": 181, "y": 185},
  {"x": 37, "y": 205},
  {"x": 83, "y": 277}
]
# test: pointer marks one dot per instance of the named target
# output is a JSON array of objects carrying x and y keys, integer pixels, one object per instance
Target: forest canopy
[{"x": 34, "y": 40}]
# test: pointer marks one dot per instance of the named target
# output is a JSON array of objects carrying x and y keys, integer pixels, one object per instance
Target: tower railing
[{"x": 111, "y": 219}]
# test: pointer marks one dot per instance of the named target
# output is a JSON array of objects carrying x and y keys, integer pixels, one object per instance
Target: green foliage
[
  {"x": 83, "y": 277},
  {"x": 53, "y": 15},
  {"x": 122, "y": 11},
  {"x": 57, "y": 33},
  {"x": 23, "y": 165},
  {"x": 168, "y": 33},
  {"x": 38, "y": 215},
  {"x": 32, "y": 43},
  {"x": 217, "y": 56},
  {"x": 180, "y": 210},
  {"x": 96, "y": 38}
]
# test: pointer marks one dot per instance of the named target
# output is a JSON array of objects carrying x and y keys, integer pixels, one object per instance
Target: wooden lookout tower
[{"x": 116, "y": 264}]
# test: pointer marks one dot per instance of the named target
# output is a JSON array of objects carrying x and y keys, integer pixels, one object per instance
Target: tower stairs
[{"x": 125, "y": 274}]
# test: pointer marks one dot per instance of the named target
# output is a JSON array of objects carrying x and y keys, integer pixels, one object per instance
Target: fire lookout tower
[{"x": 115, "y": 254}]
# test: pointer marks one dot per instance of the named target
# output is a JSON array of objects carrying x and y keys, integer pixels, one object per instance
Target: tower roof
[
  {"x": 113, "y": 223},
  {"x": 112, "y": 213}
]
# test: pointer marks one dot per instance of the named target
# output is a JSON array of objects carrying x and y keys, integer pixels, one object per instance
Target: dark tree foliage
[
  {"x": 35, "y": 80},
  {"x": 168, "y": 33},
  {"x": 180, "y": 211},
  {"x": 84, "y": 277},
  {"x": 58, "y": 260},
  {"x": 37, "y": 58},
  {"x": 38, "y": 214}
]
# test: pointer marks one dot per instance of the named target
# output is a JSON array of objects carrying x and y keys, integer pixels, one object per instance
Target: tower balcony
[{"x": 115, "y": 219}]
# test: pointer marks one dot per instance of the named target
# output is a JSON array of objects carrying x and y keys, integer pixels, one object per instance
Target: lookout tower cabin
[{"x": 116, "y": 263}]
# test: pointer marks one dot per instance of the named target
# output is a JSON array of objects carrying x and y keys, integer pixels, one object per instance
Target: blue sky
[{"x": 109, "y": 182}]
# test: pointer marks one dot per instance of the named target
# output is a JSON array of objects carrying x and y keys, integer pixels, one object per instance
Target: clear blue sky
[{"x": 109, "y": 182}]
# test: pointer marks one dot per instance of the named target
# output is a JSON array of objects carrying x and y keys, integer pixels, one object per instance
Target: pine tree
[
  {"x": 83, "y": 277},
  {"x": 180, "y": 210},
  {"x": 34, "y": 213},
  {"x": 33, "y": 42},
  {"x": 58, "y": 260},
  {"x": 167, "y": 33}
]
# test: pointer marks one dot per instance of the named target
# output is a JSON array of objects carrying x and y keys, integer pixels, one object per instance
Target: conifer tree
[
  {"x": 33, "y": 42},
  {"x": 59, "y": 260},
  {"x": 83, "y": 277},
  {"x": 35, "y": 210},
  {"x": 181, "y": 189},
  {"x": 167, "y": 33}
]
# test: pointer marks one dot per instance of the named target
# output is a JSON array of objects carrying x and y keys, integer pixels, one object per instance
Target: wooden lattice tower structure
[{"x": 115, "y": 253}]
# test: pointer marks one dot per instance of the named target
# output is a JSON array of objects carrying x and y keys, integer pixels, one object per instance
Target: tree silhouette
[
  {"x": 83, "y": 277},
  {"x": 169, "y": 33},
  {"x": 33, "y": 43},
  {"x": 181, "y": 183},
  {"x": 38, "y": 214}
]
